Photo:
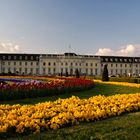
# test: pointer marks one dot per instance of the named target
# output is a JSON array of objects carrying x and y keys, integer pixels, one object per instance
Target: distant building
[{"x": 54, "y": 64}]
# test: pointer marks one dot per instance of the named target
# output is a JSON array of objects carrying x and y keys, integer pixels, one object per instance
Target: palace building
[{"x": 54, "y": 64}]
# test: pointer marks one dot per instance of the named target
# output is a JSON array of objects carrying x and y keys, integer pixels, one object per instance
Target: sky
[{"x": 95, "y": 27}]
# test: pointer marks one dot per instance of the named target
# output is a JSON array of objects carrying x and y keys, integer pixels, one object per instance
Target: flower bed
[
  {"x": 120, "y": 83},
  {"x": 63, "y": 112},
  {"x": 28, "y": 88}
]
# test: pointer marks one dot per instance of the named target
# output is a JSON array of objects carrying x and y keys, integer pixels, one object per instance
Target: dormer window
[
  {"x": 15, "y": 57},
  {"x": 26, "y": 57},
  {"x": 106, "y": 59},
  {"x": 9, "y": 57},
  {"x": 20, "y": 57},
  {"x": 32, "y": 58}
]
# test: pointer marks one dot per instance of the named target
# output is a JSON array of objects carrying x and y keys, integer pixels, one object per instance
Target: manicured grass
[
  {"x": 125, "y": 127},
  {"x": 103, "y": 89}
]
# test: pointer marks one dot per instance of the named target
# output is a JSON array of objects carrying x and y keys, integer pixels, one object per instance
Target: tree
[
  {"x": 105, "y": 74},
  {"x": 77, "y": 73}
]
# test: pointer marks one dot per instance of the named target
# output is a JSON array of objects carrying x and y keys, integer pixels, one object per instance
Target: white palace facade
[{"x": 54, "y": 64}]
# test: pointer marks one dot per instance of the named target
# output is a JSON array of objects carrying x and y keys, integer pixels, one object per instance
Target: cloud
[
  {"x": 9, "y": 48},
  {"x": 128, "y": 50}
]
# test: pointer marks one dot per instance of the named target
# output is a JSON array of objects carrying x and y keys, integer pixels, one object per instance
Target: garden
[{"x": 67, "y": 108}]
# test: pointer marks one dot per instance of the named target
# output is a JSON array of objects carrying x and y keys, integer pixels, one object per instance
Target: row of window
[
  {"x": 71, "y": 64},
  {"x": 125, "y": 65},
  {"x": 123, "y": 71},
  {"x": 15, "y": 57},
  {"x": 44, "y": 70},
  {"x": 121, "y": 59},
  {"x": 44, "y": 63},
  {"x": 20, "y": 63}
]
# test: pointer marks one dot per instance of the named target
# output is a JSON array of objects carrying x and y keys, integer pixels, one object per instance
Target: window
[
  {"x": 14, "y": 63},
  {"x": 37, "y": 70},
  {"x": 96, "y": 64},
  {"x": 66, "y": 69},
  {"x": 91, "y": 71},
  {"x": 26, "y": 70},
  {"x": 20, "y": 57},
  {"x": 61, "y": 70},
  {"x": 111, "y": 71},
  {"x": 25, "y": 63},
  {"x": 125, "y": 71},
  {"x": 31, "y": 70},
  {"x": 32, "y": 57},
  {"x": 14, "y": 70},
  {"x": 96, "y": 71},
  {"x": 120, "y": 71},
  {"x": 8, "y": 63},
  {"x": 9, "y": 70},
  {"x": 125, "y": 65},
  {"x": 49, "y": 63},
  {"x": 44, "y": 63},
  {"x": 116, "y": 71},
  {"x": 44, "y": 71},
  {"x": 37, "y": 63},
  {"x": 20, "y": 70},
  {"x": 26, "y": 57},
  {"x": 86, "y": 64},
  {"x": 54, "y": 71},
  {"x": 66, "y": 63},
  {"x": 120, "y": 65},
  {"x": 20, "y": 63},
  {"x": 15, "y": 57},
  {"x": 3, "y": 69},
  {"x": 71, "y": 64},
  {"x": 31, "y": 63},
  {"x": 54, "y": 63},
  {"x": 111, "y": 65},
  {"x": 9, "y": 57},
  {"x": 91, "y": 64},
  {"x": 61, "y": 64},
  {"x": 3, "y": 57},
  {"x": 86, "y": 70},
  {"x": 116, "y": 65}
]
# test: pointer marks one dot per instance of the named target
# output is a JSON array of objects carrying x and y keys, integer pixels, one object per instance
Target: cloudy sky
[{"x": 101, "y": 27}]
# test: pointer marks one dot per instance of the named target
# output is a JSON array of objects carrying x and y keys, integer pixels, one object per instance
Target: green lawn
[{"x": 126, "y": 126}]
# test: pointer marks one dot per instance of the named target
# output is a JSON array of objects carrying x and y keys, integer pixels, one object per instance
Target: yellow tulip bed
[
  {"x": 119, "y": 83},
  {"x": 64, "y": 112}
]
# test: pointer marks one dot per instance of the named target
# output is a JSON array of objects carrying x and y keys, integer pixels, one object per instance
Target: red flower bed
[{"x": 37, "y": 88}]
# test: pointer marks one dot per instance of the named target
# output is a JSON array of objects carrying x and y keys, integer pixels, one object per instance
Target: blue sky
[{"x": 88, "y": 26}]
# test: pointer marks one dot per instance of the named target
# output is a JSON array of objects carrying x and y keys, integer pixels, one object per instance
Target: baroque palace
[{"x": 54, "y": 64}]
